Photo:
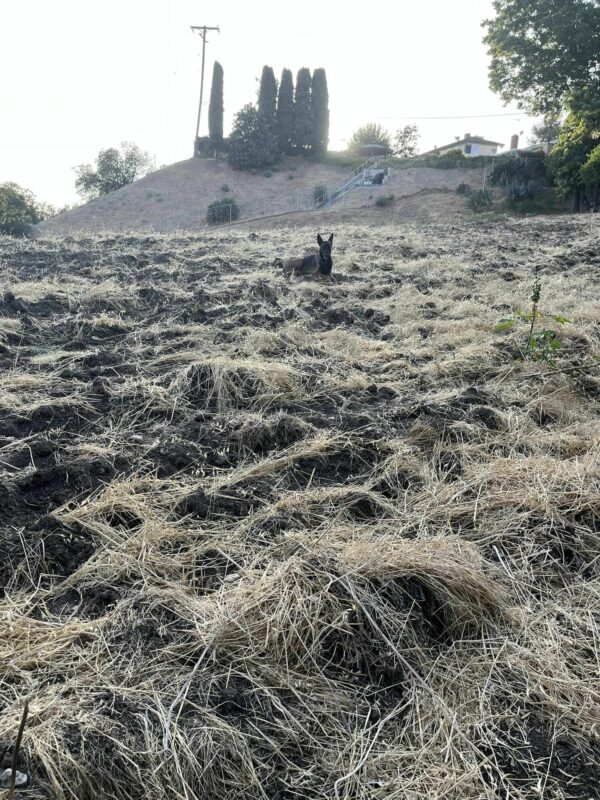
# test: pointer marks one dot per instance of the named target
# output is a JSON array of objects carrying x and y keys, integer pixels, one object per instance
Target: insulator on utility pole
[{"x": 203, "y": 29}]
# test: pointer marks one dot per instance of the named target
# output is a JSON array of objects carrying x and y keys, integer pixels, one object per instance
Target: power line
[{"x": 466, "y": 116}]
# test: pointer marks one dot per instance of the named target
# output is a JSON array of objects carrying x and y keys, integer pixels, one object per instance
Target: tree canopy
[
  {"x": 252, "y": 143},
  {"x": 369, "y": 134},
  {"x": 114, "y": 169},
  {"x": 215, "y": 106},
  {"x": 303, "y": 112},
  {"x": 406, "y": 141},
  {"x": 285, "y": 112},
  {"x": 19, "y": 210},
  {"x": 320, "y": 111},
  {"x": 542, "y": 50},
  {"x": 267, "y": 96}
]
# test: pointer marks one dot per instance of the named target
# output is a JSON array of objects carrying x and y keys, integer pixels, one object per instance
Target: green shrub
[
  {"x": 516, "y": 170},
  {"x": 19, "y": 210},
  {"x": 523, "y": 190},
  {"x": 385, "y": 200},
  {"x": 223, "y": 210},
  {"x": 479, "y": 200},
  {"x": 267, "y": 174},
  {"x": 463, "y": 188},
  {"x": 320, "y": 192},
  {"x": 225, "y": 188}
]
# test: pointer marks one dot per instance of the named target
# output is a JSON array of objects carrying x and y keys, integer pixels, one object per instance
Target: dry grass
[{"x": 284, "y": 540}]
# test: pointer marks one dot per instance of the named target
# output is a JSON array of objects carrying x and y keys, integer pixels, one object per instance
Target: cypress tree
[
  {"x": 267, "y": 96},
  {"x": 215, "y": 107},
  {"x": 303, "y": 117},
  {"x": 285, "y": 112},
  {"x": 320, "y": 108}
]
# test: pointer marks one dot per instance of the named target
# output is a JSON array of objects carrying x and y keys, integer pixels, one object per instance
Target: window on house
[{"x": 467, "y": 148}]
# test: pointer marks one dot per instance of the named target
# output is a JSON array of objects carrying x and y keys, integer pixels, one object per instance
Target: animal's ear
[
  {"x": 331, "y": 239},
  {"x": 319, "y": 240}
]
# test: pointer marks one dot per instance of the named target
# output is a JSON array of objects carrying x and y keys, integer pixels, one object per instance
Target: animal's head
[
  {"x": 278, "y": 263},
  {"x": 325, "y": 246}
]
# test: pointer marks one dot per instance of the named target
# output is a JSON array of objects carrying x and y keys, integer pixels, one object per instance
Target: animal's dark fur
[{"x": 314, "y": 265}]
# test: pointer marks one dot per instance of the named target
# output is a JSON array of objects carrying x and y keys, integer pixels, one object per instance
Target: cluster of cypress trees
[
  {"x": 299, "y": 118},
  {"x": 287, "y": 120}
]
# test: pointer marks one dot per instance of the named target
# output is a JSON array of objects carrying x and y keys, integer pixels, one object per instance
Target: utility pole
[{"x": 203, "y": 29}]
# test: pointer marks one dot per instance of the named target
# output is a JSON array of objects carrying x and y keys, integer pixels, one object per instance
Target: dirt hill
[{"x": 177, "y": 197}]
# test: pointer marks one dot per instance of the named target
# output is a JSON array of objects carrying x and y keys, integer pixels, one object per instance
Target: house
[
  {"x": 469, "y": 146},
  {"x": 540, "y": 148}
]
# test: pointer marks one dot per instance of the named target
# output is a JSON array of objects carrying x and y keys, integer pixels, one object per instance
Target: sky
[{"x": 79, "y": 76}]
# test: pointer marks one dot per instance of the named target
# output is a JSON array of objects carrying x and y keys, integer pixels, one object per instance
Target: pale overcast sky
[{"x": 81, "y": 76}]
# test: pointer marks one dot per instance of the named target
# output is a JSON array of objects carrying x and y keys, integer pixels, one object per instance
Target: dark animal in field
[{"x": 315, "y": 265}]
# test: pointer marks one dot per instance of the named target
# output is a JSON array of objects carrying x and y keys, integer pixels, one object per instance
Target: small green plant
[
  {"x": 479, "y": 200},
  {"x": 463, "y": 188},
  {"x": 222, "y": 211},
  {"x": 320, "y": 193},
  {"x": 290, "y": 177},
  {"x": 267, "y": 174},
  {"x": 541, "y": 345},
  {"x": 225, "y": 188},
  {"x": 385, "y": 200}
]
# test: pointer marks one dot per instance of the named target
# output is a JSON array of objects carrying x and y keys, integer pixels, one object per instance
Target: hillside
[
  {"x": 176, "y": 197},
  {"x": 271, "y": 540}
]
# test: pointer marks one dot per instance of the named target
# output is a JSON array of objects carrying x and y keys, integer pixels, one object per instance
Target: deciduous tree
[
  {"x": 252, "y": 143},
  {"x": 369, "y": 134},
  {"x": 406, "y": 141},
  {"x": 114, "y": 169}
]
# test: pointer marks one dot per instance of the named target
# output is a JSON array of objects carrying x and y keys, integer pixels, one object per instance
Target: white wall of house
[{"x": 474, "y": 149}]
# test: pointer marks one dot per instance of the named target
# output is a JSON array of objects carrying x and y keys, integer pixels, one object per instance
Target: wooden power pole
[{"x": 203, "y": 29}]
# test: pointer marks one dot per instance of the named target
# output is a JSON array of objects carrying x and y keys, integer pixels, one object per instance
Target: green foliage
[
  {"x": 385, "y": 200},
  {"x": 517, "y": 169},
  {"x": 223, "y": 210},
  {"x": 320, "y": 192},
  {"x": 406, "y": 141},
  {"x": 542, "y": 344},
  {"x": 252, "y": 143},
  {"x": 575, "y": 143},
  {"x": 215, "y": 107},
  {"x": 541, "y": 51},
  {"x": 590, "y": 174},
  {"x": 303, "y": 112},
  {"x": 285, "y": 113},
  {"x": 547, "y": 131},
  {"x": 225, "y": 188},
  {"x": 320, "y": 110},
  {"x": 114, "y": 169},
  {"x": 479, "y": 200},
  {"x": 267, "y": 174},
  {"x": 371, "y": 133},
  {"x": 19, "y": 210},
  {"x": 463, "y": 188},
  {"x": 267, "y": 96}
]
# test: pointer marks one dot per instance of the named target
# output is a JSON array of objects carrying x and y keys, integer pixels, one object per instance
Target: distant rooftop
[{"x": 467, "y": 139}]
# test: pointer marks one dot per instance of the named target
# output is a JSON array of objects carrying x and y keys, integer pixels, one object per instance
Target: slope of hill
[{"x": 177, "y": 197}]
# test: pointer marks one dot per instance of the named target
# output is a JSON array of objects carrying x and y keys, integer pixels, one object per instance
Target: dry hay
[{"x": 281, "y": 540}]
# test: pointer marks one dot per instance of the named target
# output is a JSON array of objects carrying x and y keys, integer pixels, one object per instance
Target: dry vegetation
[{"x": 288, "y": 540}]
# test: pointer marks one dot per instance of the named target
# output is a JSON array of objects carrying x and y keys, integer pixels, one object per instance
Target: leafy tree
[
  {"x": 406, "y": 141},
  {"x": 285, "y": 112},
  {"x": 215, "y": 107},
  {"x": 569, "y": 154},
  {"x": 19, "y": 210},
  {"x": 369, "y": 134},
  {"x": 590, "y": 176},
  {"x": 320, "y": 108},
  {"x": 114, "y": 169},
  {"x": 252, "y": 143},
  {"x": 303, "y": 112},
  {"x": 267, "y": 96},
  {"x": 546, "y": 131},
  {"x": 541, "y": 50},
  {"x": 223, "y": 210}
]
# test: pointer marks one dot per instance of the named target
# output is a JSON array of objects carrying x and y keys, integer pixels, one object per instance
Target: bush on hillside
[
  {"x": 223, "y": 210},
  {"x": 252, "y": 143},
  {"x": 463, "y": 188},
  {"x": 385, "y": 200},
  {"x": 479, "y": 200},
  {"x": 114, "y": 169}
]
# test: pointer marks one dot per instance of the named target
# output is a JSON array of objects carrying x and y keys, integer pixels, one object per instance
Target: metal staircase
[{"x": 355, "y": 178}]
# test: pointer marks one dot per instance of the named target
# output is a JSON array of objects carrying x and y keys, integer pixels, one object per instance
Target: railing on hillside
[{"x": 328, "y": 199}]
